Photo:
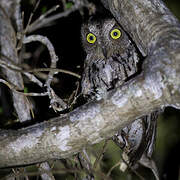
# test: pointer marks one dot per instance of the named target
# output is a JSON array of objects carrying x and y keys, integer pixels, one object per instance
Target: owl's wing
[{"x": 86, "y": 85}]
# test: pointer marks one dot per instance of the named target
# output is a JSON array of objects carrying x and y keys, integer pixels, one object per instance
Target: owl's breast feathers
[{"x": 102, "y": 74}]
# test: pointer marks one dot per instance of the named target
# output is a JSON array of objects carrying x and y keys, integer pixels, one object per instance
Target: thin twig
[
  {"x": 98, "y": 159},
  {"x": 73, "y": 97},
  {"x": 112, "y": 168},
  {"x": 14, "y": 88},
  {"x": 55, "y": 70},
  {"x": 138, "y": 175},
  {"x": 31, "y": 15},
  {"x": 59, "y": 171},
  {"x": 87, "y": 160},
  {"x": 36, "y": 24},
  {"x": 55, "y": 102},
  {"x": 23, "y": 33},
  {"x": 44, "y": 40},
  {"x": 12, "y": 66},
  {"x": 45, "y": 21}
]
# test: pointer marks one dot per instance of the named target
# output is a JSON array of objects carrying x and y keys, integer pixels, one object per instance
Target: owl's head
[{"x": 103, "y": 37}]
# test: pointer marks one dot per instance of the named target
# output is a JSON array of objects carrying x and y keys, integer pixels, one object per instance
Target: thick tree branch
[
  {"x": 64, "y": 136},
  {"x": 157, "y": 33},
  {"x": 8, "y": 48}
]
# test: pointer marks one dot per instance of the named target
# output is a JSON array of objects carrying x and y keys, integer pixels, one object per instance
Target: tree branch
[
  {"x": 8, "y": 48},
  {"x": 157, "y": 33}
]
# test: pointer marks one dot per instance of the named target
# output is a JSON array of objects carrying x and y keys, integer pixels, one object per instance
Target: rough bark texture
[
  {"x": 157, "y": 33},
  {"x": 8, "y": 48}
]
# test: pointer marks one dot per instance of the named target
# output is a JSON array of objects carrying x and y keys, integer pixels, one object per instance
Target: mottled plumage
[{"x": 110, "y": 60}]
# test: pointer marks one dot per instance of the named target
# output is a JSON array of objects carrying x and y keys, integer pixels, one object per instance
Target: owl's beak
[
  {"x": 104, "y": 52},
  {"x": 102, "y": 49}
]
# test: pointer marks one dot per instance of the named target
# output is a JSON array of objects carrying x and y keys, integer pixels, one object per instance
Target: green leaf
[
  {"x": 1, "y": 110},
  {"x": 68, "y": 5},
  {"x": 44, "y": 9},
  {"x": 25, "y": 90}
]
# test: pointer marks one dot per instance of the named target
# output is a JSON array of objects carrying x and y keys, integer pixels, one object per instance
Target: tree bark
[
  {"x": 8, "y": 48},
  {"x": 157, "y": 34}
]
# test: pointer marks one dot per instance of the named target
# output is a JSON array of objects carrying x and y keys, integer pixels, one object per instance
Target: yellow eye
[
  {"x": 91, "y": 38},
  {"x": 115, "y": 33}
]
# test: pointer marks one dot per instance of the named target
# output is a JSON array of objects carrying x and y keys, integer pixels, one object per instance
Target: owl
[{"x": 111, "y": 59}]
